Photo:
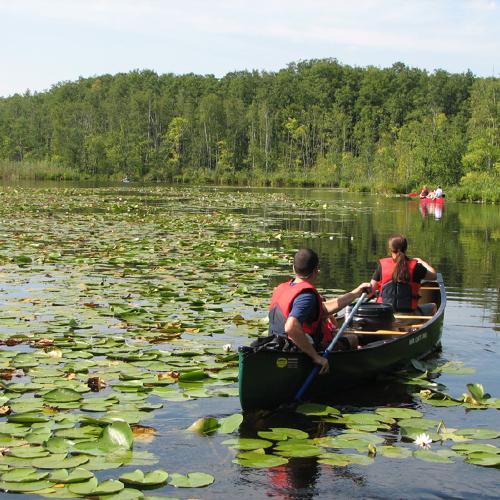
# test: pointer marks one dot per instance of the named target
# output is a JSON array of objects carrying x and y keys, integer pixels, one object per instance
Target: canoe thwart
[{"x": 377, "y": 332}]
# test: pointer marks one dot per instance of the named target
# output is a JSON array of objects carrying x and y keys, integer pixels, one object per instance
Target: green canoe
[{"x": 268, "y": 378}]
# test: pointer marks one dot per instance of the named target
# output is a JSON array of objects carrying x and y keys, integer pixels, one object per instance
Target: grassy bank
[
  {"x": 475, "y": 186},
  {"x": 36, "y": 170}
]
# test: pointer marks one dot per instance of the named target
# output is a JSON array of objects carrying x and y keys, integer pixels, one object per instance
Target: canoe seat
[{"x": 412, "y": 316}]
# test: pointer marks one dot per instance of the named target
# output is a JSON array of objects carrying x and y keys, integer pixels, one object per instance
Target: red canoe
[{"x": 435, "y": 201}]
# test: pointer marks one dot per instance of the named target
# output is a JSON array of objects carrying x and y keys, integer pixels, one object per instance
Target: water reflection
[
  {"x": 464, "y": 246},
  {"x": 304, "y": 478},
  {"x": 295, "y": 480},
  {"x": 431, "y": 207}
]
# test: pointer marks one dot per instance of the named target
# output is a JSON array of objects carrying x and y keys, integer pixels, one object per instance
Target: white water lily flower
[
  {"x": 227, "y": 348},
  {"x": 56, "y": 353},
  {"x": 423, "y": 440}
]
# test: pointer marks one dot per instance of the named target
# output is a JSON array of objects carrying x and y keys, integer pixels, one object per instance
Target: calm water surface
[
  {"x": 349, "y": 232},
  {"x": 463, "y": 242}
]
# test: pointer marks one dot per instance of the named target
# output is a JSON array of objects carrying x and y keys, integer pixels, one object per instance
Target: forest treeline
[{"x": 313, "y": 123}]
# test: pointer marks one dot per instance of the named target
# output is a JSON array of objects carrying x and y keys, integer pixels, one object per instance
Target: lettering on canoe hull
[
  {"x": 418, "y": 338},
  {"x": 287, "y": 362}
]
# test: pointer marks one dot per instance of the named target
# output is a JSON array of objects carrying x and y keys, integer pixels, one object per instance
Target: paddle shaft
[{"x": 330, "y": 347}]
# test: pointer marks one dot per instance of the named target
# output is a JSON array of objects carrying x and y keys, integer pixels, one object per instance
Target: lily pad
[
  {"x": 93, "y": 488},
  {"x": 24, "y": 487},
  {"x": 191, "y": 480},
  {"x": 128, "y": 494},
  {"x": 484, "y": 459},
  {"x": 318, "y": 410},
  {"x": 418, "y": 423},
  {"x": 442, "y": 456},
  {"x": 399, "y": 413},
  {"x": 27, "y": 418},
  {"x": 59, "y": 462},
  {"x": 229, "y": 424},
  {"x": 468, "y": 448},
  {"x": 139, "y": 478},
  {"x": 340, "y": 443},
  {"x": 77, "y": 475},
  {"x": 368, "y": 418},
  {"x": 341, "y": 459},
  {"x": 192, "y": 376},
  {"x": 394, "y": 451},
  {"x": 296, "y": 449},
  {"x": 441, "y": 402},
  {"x": 116, "y": 435},
  {"x": 259, "y": 460},
  {"x": 283, "y": 433},
  {"x": 28, "y": 452},
  {"x": 23, "y": 475},
  {"x": 62, "y": 396},
  {"x": 479, "y": 433},
  {"x": 335, "y": 459},
  {"x": 247, "y": 443}
]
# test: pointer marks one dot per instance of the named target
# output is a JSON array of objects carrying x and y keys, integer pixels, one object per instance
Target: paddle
[
  {"x": 412, "y": 195},
  {"x": 330, "y": 347}
]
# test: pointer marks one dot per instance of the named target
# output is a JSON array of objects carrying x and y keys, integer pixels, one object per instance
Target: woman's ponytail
[{"x": 398, "y": 245}]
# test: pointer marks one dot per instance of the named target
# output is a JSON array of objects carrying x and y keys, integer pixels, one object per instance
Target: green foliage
[
  {"x": 478, "y": 186},
  {"x": 313, "y": 123}
]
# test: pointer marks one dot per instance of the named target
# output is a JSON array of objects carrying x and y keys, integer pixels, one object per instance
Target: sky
[{"x": 43, "y": 42}]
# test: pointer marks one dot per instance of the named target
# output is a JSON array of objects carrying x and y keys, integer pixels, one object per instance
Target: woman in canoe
[{"x": 397, "y": 279}]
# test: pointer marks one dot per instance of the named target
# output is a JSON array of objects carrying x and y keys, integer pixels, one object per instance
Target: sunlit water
[
  {"x": 462, "y": 241},
  {"x": 350, "y": 232}
]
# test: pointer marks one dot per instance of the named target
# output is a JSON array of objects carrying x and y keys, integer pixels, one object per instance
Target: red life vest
[
  {"x": 281, "y": 306},
  {"x": 402, "y": 296}
]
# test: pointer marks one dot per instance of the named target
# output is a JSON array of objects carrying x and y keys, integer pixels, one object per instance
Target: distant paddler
[{"x": 424, "y": 193}]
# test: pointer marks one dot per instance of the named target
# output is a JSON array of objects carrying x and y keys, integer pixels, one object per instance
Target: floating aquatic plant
[{"x": 423, "y": 441}]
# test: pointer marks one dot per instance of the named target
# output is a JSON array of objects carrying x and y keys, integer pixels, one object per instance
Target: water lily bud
[{"x": 204, "y": 425}]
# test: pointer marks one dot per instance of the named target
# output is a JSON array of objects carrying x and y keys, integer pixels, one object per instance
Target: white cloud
[
  {"x": 222, "y": 35},
  {"x": 419, "y": 25}
]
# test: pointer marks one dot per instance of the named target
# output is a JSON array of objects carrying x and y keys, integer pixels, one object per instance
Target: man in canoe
[
  {"x": 397, "y": 279},
  {"x": 298, "y": 311}
]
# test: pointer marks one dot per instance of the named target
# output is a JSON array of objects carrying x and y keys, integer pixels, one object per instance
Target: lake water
[{"x": 92, "y": 250}]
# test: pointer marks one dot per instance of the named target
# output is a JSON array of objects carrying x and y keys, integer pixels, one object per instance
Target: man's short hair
[{"x": 305, "y": 262}]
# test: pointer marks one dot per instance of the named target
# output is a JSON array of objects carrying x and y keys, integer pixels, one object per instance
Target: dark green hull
[{"x": 270, "y": 378}]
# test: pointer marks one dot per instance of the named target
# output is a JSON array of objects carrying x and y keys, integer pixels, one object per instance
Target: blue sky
[{"x": 43, "y": 42}]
